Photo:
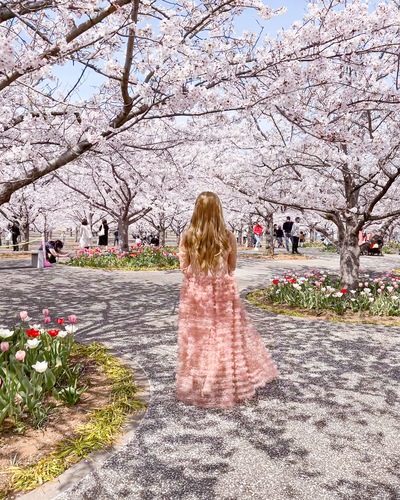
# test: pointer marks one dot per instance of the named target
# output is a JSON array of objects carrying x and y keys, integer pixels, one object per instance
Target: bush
[
  {"x": 137, "y": 258},
  {"x": 319, "y": 292},
  {"x": 33, "y": 364}
]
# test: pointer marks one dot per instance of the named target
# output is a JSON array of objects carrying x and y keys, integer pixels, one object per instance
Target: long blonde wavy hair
[{"x": 207, "y": 237}]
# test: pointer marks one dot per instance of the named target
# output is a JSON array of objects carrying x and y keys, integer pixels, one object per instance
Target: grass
[
  {"x": 102, "y": 428},
  {"x": 257, "y": 299}
]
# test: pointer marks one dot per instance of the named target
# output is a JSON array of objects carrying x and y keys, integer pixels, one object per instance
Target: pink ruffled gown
[{"x": 222, "y": 359}]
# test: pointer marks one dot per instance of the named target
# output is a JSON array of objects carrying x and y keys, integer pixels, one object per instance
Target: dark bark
[
  {"x": 349, "y": 258},
  {"x": 123, "y": 234}
]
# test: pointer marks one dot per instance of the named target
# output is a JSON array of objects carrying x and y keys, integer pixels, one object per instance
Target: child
[{"x": 222, "y": 359}]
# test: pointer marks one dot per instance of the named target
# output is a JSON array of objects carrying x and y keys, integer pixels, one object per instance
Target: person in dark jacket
[
  {"x": 15, "y": 234},
  {"x": 279, "y": 237},
  {"x": 287, "y": 229},
  {"x": 103, "y": 233},
  {"x": 54, "y": 250}
]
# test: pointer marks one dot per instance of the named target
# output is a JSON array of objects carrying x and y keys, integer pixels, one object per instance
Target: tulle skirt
[{"x": 222, "y": 359}]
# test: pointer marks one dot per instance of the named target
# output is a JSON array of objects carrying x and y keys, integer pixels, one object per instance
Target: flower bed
[
  {"x": 138, "y": 258},
  {"x": 319, "y": 292},
  {"x": 34, "y": 362},
  {"x": 94, "y": 424}
]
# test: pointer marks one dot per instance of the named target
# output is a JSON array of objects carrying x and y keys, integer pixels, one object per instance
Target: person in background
[
  {"x": 154, "y": 240},
  {"x": 85, "y": 240},
  {"x": 15, "y": 234},
  {"x": 295, "y": 235},
  {"x": 287, "y": 229},
  {"x": 258, "y": 231},
  {"x": 302, "y": 239},
  {"x": 103, "y": 234},
  {"x": 279, "y": 236},
  {"x": 116, "y": 238},
  {"x": 245, "y": 238},
  {"x": 54, "y": 251}
]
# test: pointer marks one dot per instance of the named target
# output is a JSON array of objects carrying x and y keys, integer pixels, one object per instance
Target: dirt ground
[{"x": 34, "y": 444}]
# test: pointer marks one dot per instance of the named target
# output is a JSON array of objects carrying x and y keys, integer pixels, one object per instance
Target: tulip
[
  {"x": 72, "y": 319},
  {"x": 45, "y": 312},
  {"x": 60, "y": 321},
  {"x": 47, "y": 320},
  {"x": 4, "y": 346},
  {"x": 53, "y": 333},
  {"x": 32, "y": 333},
  {"x": 40, "y": 366},
  {"x": 5, "y": 333},
  {"x": 32, "y": 343},
  {"x": 63, "y": 333},
  {"x": 70, "y": 328},
  {"x": 20, "y": 355},
  {"x": 24, "y": 315}
]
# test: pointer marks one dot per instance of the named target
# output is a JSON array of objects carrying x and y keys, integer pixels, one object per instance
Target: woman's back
[{"x": 225, "y": 263}]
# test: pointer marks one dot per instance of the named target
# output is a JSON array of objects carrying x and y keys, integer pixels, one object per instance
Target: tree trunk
[
  {"x": 25, "y": 232},
  {"x": 123, "y": 234},
  {"x": 269, "y": 234},
  {"x": 240, "y": 236},
  {"x": 162, "y": 236},
  {"x": 250, "y": 235},
  {"x": 349, "y": 259}
]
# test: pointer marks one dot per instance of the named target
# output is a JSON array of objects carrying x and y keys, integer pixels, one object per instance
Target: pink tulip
[
  {"x": 72, "y": 319},
  {"x": 45, "y": 312},
  {"x": 20, "y": 355},
  {"x": 4, "y": 346},
  {"x": 23, "y": 315},
  {"x": 47, "y": 320}
]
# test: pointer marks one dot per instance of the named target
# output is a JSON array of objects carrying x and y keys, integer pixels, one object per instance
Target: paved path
[{"x": 327, "y": 429}]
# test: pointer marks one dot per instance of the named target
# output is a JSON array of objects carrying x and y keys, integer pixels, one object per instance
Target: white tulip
[
  {"x": 62, "y": 333},
  {"x": 5, "y": 333},
  {"x": 40, "y": 366},
  {"x": 32, "y": 343},
  {"x": 70, "y": 328}
]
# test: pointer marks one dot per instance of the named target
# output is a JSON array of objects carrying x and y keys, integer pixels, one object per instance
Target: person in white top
[
  {"x": 85, "y": 240},
  {"x": 295, "y": 235}
]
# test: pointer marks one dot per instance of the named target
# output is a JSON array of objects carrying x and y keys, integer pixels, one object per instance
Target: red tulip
[
  {"x": 275, "y": 282},
  {"x": 32, "y": 333},
  {"x": 53, "y": 333},
  {"x": 60, "y": 321},
  {"x": 343, "y": 290}
]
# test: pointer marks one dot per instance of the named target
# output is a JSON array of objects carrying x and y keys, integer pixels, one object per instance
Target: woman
[
  {"x": 54, "y": 251},
  {"x": 85, "y": 240},
  {"x": 103, "y": 233},
  {"x": 222, "y": 359}
]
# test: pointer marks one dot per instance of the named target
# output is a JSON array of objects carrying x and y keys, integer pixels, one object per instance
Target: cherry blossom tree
[
  {"x": 329, "y": 137},
  {"x": 153, "y": 60}
]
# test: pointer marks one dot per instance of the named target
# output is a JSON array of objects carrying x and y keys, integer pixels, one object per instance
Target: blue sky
[{"x": 295, "y": 9}]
